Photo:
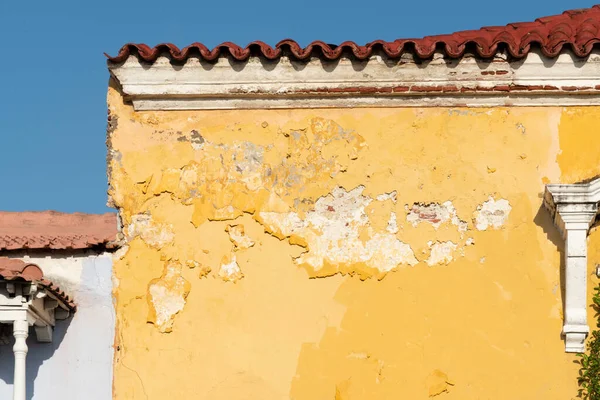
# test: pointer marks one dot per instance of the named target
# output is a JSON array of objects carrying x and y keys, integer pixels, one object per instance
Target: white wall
[{"x": 78, "y": 364}]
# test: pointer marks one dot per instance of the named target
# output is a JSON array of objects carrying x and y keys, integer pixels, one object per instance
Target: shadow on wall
[
  {"x": 544, "y": 221},
  {"x": 37, "y": 355}
]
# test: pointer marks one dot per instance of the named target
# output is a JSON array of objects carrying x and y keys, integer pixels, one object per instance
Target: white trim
[
  {"x": 520, "y": 100},
  {"x": 574, "y": 208},
  {"x": 377, "y": 82}
]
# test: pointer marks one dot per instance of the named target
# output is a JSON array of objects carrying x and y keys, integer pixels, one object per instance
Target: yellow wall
[{"x": 258, "y": 256}]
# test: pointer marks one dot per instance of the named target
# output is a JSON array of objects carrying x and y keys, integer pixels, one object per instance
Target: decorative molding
[
  {"x": 377, "y": 82},
  {"x": 574, "y": 207}
]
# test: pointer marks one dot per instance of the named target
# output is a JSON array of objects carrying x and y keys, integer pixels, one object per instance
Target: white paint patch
[
  {"x": 230, "y": 270},
  {"x": 393, "y": 196},
  {"x": 392, "y": 226},
  {"x": 440, "y": 253},
  {"x": 167, "y": 296},
  {"x": 492, "y": 213},
  {"x": 154, "y": 234},
  {"x": 331, "y": 233},
  {"x": 238, "y": 237},
  {"x": 436, "y": 214}
]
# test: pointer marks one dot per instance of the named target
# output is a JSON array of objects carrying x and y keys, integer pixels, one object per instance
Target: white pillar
[
  {"x": 20, "y": 331},
  {"x": 576, "y": 220}
]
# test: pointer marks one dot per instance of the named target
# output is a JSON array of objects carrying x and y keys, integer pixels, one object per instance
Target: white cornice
[
  {"x": 575, "y": 193},
  {"x": 377, "y": 82}
]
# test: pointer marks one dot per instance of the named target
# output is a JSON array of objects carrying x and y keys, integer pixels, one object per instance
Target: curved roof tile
[
  {"x": 15, "y": 269},
  {"x": 578, "y": 30}
]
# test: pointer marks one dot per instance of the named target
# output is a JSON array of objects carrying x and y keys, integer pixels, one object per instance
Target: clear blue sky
[{"x": 54, "y": 75}]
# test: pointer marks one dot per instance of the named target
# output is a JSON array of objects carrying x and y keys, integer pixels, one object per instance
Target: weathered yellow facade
[{"x": 344, "y": 254}]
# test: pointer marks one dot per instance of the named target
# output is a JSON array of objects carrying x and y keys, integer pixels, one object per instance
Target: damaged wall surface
[{"x": 343, "y": 253}]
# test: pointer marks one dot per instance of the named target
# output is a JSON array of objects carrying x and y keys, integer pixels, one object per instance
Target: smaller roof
[
  {"x": 12, "y": 269},
  {"x": 56, "y": 231}
]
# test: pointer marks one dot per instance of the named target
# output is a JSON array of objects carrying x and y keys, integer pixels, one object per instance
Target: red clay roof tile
[
  {"x": 578, "y": 30},
  {"x": 14, "y": 269},
  {"x": 55, "y": 230}
]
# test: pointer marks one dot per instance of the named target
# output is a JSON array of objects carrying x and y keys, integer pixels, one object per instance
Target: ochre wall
[{"x": 264, "y": 261}]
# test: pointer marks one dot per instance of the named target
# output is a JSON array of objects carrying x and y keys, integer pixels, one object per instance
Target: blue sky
[{"x": 54, "y": 75}]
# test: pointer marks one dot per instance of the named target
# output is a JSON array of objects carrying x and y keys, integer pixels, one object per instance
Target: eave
[{"x": 536, "y": 80}]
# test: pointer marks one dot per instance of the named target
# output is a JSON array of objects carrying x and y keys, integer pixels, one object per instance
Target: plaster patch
[
  {"x": 154, "y": 234},
  {"x": 230, "y": 270},
  {"x": 440, "y": 253},
  {"x": 230, "y": 179},
  {"x": 392, "y": 226},
  {"x": 393, "y": 196},
  {"x": 436, "y": 214},
  {"x": 238, "y": 237},
  {"x": 492, "y": 214},
  {"x": 203, "y": 270},
  {"x": 331, "y": 233},
  {"x": 166, "y": 297}
]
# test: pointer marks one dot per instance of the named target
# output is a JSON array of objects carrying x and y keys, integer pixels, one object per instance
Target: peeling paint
[
  {"x": 492, "y": 213},
  {"x": 238, "y": 237},
  {"x": 392, "y": 226},
  {"x": 230, "y": 270},
  {"x": 435, "y": 214},
  {"x": 338, "y": 238},
  {"x": 440, "y": 253},
  {"x": 166, "y": 297},
  {"x": 155, "y": 234},
  {"x": 203, "y": 270},
  {"x": 294, "y": 183},
  {"x": 393, "y": 196}
]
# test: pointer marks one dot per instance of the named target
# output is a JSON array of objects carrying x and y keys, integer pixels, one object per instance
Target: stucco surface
[
  {"x": 78, "y": 363},
  {"x": 396, "y": 253}
]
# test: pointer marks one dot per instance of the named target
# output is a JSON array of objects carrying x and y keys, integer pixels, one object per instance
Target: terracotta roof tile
[
  {"x": 14, "y": 269},
  {"x": 55, "y": 230},
  {"x": 578, "y": 30}
]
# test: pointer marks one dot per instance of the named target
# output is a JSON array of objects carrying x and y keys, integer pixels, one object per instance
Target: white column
[
  {"x": 576, "y": 220},
  {"x": 20, "y": 331}
]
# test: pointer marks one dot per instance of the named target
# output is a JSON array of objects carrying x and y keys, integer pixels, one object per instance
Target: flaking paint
[{"x": 456, "y": 328}]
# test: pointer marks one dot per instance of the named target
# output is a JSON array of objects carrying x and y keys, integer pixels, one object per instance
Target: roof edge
[
  {"x": 52, "y": 230},
  {"x": 535, "y": 80},
  {"x": 576, "y": 30}
]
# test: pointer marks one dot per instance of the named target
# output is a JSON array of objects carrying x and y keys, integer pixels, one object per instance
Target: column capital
[{"x": 575, "y": 216}]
